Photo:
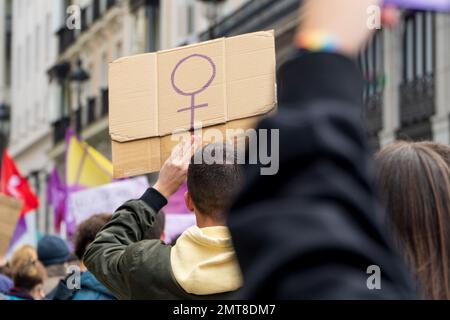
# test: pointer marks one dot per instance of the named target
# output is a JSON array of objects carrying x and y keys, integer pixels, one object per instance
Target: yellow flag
[{"x": 85, "y": 166}]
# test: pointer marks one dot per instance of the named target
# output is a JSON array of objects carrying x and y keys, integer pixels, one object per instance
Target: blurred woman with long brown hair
[{"x": 414, "y": 183}]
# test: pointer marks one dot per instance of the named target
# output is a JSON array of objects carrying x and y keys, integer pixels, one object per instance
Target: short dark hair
[
  {"x": 87, "y": 231},
  {"x": 213, "y": 184},
  {"x": 158, "y": 227}
]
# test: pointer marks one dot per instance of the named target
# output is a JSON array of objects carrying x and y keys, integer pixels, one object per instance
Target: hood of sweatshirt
[{"x": 204, "y": 262}]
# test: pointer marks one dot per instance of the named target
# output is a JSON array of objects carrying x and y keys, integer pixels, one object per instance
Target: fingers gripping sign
[{"x": 174, "y": 171}]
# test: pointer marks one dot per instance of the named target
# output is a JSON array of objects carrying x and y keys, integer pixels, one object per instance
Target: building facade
[{"x": 33, "y": 50}]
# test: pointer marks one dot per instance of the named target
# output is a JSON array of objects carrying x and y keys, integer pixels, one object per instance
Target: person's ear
[
  {"x": 163, "y": 236},
  {"x": 188, "y": 201}
]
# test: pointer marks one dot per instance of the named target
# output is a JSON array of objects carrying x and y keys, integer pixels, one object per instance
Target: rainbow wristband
[{"x": 317, "y": 41}]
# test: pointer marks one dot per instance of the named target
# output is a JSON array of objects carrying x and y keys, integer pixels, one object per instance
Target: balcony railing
[
  {"x": 422, "y": 131},
  {"x": 374, "y": 113},
  {"x": 79, "y": 120},
  {"x": 417, "y": 100},
  {"x": 67, "y": 37},
  {"x": 60, "y": 127},
  {"x": 254, "y": 15},
  {"x": 84, "y": 20}
]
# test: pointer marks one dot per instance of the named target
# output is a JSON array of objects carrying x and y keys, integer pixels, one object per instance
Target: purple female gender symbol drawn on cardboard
[{"x": 193, "y": 106}]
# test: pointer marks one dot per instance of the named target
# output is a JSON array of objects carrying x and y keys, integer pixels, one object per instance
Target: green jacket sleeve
[{"x": 119, "y": 247}]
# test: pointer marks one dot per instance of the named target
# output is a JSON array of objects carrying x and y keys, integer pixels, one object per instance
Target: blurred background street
[{"x": 54, "y": 77}]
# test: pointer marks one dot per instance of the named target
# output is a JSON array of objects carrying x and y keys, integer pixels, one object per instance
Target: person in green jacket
[{"x": 202, "y": 264}]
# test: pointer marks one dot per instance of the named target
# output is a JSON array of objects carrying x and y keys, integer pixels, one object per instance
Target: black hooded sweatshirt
[{"x": 314, "y": 230}]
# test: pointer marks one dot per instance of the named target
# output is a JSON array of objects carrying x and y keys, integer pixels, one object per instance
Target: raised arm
[
  {"x": 111, "y": 256},
  {"x": 118, "y": 257},
  {"x": 312, "y": 230}
]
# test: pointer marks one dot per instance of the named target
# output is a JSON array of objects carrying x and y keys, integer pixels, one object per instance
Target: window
[
  {"x": 372, "y": 66},
  {"x": 8, "y": 48},
  {"x": 153, "y": 27},
  {"x": 418, "y": 46},
  {"x": 371, "y": 61},
  {"x": 84, "y": 21},
  {"x": 96, "y": 10},
  {"x": 65, "y": 96}
]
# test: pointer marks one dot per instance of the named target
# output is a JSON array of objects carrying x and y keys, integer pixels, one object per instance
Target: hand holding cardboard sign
[{"x": 174, "y": 171}]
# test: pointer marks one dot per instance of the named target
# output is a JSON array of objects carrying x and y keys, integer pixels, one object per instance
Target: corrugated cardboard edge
[
  {"x": 11, "y": 203},
  {"x": 9, "y": 206},
  {"x": 146, "y": 161}
]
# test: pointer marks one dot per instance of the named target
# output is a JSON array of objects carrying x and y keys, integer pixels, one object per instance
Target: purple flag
[
  {"x": 435, "y": 5},
  {"x": 57, "y": 195},
  {"x": 21, "y": 229}
]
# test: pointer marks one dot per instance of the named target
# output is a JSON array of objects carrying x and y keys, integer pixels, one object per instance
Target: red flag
[{"x": 13, "y": 184}]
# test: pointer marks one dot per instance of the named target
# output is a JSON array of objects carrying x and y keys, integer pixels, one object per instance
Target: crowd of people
[{"x": 309, "y": 232}]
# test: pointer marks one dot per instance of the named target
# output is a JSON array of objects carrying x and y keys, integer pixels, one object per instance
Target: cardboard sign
[
  {"x": 104, "y": 199},
  {"x": 223, "y": 83},
  {"x": 9, "y": 215}
]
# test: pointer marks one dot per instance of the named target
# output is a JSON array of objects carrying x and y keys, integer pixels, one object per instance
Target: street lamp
[
  {"x": 212, "y": 13},
  {"x": 5, "y": 119},
  {"x": 78, "y": 76}
]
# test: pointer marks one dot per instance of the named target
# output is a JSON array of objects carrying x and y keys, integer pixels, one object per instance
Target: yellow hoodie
[{"x": 204, "y": 262}]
